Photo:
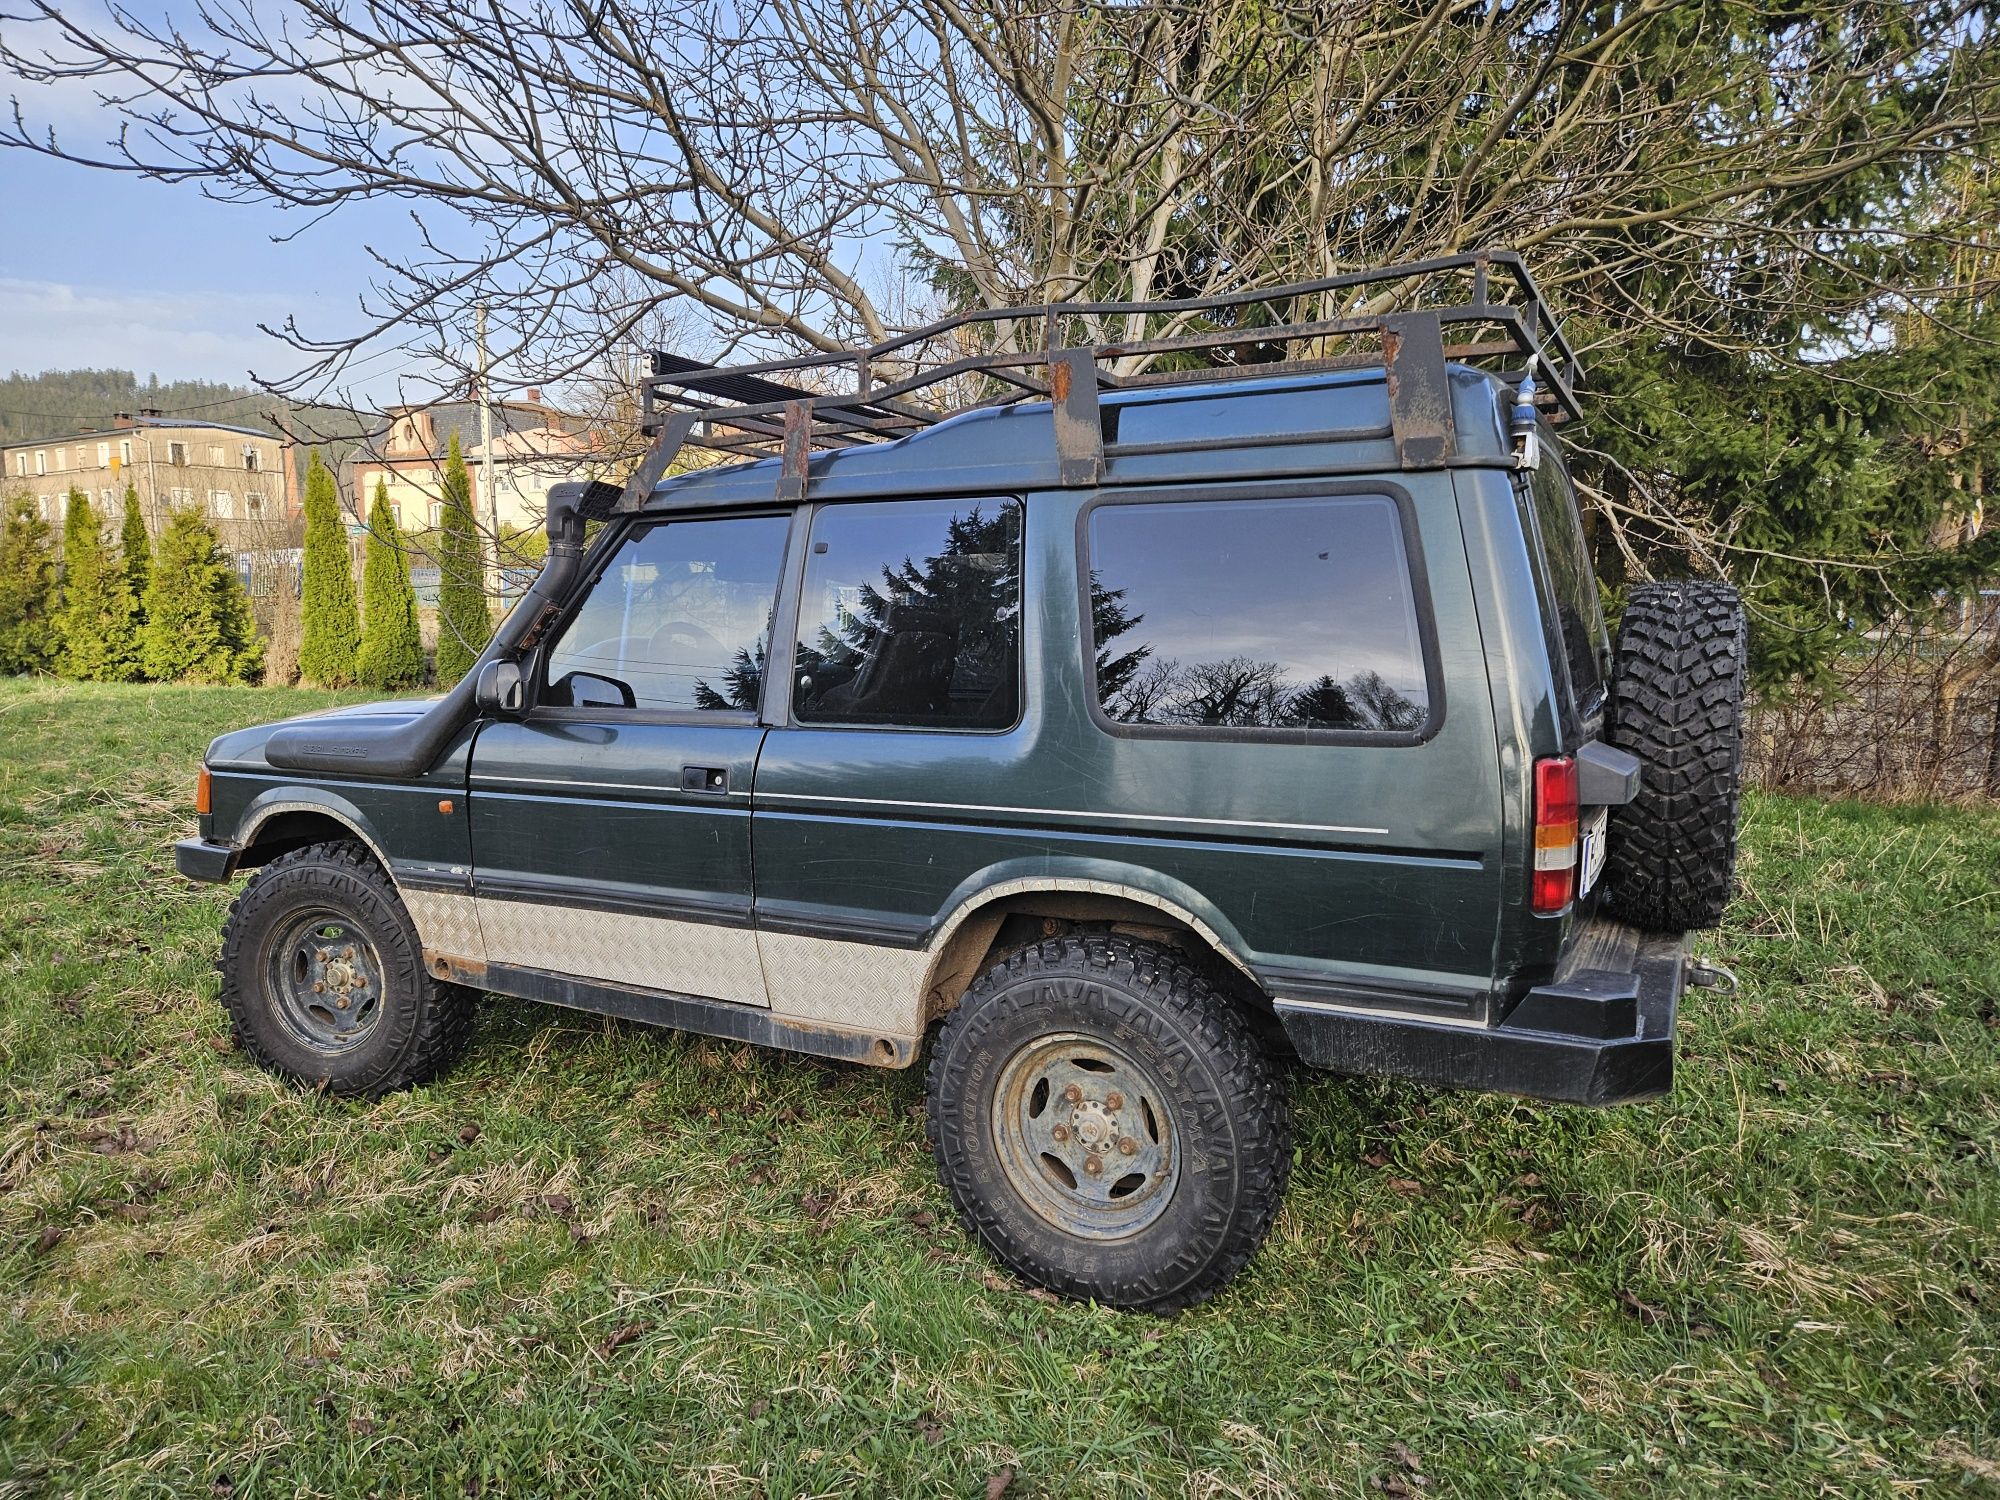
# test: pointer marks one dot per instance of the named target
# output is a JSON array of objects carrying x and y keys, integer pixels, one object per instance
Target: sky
[
  {"x": 155, "y": 278},
  {"x": 103, "y": 269}
]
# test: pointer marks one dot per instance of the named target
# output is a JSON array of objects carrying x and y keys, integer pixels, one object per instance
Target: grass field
[{"x": 598, "y": 1259}]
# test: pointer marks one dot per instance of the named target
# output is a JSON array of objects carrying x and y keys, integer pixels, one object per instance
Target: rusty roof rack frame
[{"x": 752, "y": 411}]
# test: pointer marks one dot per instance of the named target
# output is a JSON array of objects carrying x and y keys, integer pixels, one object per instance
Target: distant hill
[{"x": 58, "y": 402}]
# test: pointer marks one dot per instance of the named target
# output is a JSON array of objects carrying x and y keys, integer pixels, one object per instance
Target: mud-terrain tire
[
  {"x": 1676, "y": 702},
  {"x": 1174, "y": 1096},
  {"x": 321, "y": 926}
]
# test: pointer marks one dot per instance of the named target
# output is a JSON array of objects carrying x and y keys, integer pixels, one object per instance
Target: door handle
[{"x": 704, "y": 779}]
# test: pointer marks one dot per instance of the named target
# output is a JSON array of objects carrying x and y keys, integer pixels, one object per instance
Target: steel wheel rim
[
  {"x": 324, "y": 977},
  {"x": 1086, "y": 1136}
]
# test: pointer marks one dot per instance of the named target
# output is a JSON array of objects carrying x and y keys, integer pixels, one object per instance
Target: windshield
[{"x": 1572, "y": 584}]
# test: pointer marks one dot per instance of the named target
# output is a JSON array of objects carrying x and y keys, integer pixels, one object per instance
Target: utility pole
[{"x": 486, "y": 446}]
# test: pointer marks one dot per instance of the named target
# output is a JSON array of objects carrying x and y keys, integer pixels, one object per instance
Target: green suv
[{"x": 1169, "y": 712}]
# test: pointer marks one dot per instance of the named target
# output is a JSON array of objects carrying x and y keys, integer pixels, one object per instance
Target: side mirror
[{"x": 499, "y": 689}]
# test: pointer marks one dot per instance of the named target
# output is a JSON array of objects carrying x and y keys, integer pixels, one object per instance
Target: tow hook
[{"x": 1705, "y": 974}]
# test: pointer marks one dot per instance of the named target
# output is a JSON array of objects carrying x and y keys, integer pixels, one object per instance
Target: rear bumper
[
  {"x": 1601, "y": 1032},
  {"x": 198, "y": 859}
]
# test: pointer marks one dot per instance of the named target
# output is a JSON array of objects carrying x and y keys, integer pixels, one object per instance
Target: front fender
[{"x": 274, "y": 803}]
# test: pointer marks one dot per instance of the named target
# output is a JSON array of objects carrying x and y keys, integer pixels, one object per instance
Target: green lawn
[{"x": 598, "y": 1258}]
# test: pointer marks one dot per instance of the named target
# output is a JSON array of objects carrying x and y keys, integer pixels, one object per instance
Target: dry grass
[{"x": 670, "y": 1265}]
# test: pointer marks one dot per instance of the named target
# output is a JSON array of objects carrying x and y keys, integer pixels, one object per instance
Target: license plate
[{"x": 1592, "y": 852}]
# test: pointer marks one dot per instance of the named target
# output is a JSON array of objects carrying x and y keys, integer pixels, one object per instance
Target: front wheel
[
  {"x": 1108, "y": 1124},
  {"x": 323, "y": 977}
]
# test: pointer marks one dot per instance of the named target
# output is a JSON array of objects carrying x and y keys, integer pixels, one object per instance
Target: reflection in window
[
  {"x": 1256, "y": 614},
  {"x": 911, "y": 614},
  {"x": 1579, "y": 615},
  {"x": 678, "y": 620}
]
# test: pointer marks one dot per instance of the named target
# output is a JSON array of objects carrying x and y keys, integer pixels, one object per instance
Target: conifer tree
[
  {"x": 464, "y": 622},
  {"x": 138, "y": 550},
  {"x": 392, "y": 650},
  {"x": 27, "y": 590},
  {"x": 332, "y": 625},
  {"x": 198, "y": 622},
  {"x": 95, "y": 623}
]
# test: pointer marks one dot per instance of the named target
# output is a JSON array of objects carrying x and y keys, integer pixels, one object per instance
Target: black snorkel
[{"x": 410, "y": 747}]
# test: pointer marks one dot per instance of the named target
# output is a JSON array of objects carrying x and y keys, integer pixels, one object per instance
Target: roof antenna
[{"x": 1527, "y": 436}]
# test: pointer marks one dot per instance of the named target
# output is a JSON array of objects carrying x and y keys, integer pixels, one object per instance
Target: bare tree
[{"x": 806, "y": 172}]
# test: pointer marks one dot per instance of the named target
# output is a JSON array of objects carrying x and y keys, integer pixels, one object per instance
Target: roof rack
[{"x": 1066, "y": 353}]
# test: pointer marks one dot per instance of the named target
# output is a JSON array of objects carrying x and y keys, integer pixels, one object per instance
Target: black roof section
[{"x": 1405, "y": 322}]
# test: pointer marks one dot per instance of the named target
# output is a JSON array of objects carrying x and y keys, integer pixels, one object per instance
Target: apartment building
[
  {"x": 534, "y": 446},
  {"x": 239, "y": 477}
]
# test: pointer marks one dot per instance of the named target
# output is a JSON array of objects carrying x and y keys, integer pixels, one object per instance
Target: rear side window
[
  {"x": 1579, "y": 617},
  {"x": 911, "y": 615},
  {"x": 1256, "y": 614}
]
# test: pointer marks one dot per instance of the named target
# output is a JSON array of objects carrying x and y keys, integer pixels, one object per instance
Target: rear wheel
[
  {"x": 1108, "y": 1124},
  {"x": 323, "y": 977},
  {"x": 1677, "y": 703}
]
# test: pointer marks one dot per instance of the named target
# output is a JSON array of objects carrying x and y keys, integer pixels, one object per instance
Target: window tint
[
  {"x": 1579, "y": 615},
  {"x": 1256, "y": 614},
  {"x": 678, "y": 620},
  {"x": 912, "y": 615}
]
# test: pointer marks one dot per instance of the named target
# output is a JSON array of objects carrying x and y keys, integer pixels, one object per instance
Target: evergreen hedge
[
  {"x": 198, "y": 622},
  {"x": 95, "y": 626},
  {"x": 331, "y": 623},
  {"x": 27, "y": 590},
  {"x": 392, "y": 650},
  {"x": 465, "y": 623},
  {"x": 138, "y": 550}
]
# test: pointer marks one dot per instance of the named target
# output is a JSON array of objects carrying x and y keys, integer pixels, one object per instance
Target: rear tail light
[
  {"x": 1555, "y": 835},
  {"x": 203, "y": 792}
]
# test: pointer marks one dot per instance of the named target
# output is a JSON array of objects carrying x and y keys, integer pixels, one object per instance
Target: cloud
[
  {"x": 193, "y": 335},
  {"x": 53, "y": 325}
]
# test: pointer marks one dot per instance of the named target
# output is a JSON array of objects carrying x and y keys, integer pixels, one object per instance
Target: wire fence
[{"x": 1912, "y": 714}]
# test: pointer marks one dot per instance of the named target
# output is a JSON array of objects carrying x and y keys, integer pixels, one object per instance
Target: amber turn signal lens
[
  {"x": 203, "y": 790},
  {"x": 444, "y": 804}
]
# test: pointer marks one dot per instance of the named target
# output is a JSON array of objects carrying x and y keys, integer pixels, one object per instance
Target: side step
[{"x": 741, "y": 1023}]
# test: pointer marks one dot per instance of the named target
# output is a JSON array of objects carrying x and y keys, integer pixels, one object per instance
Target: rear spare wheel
[{"x": 1677, "y": 703}]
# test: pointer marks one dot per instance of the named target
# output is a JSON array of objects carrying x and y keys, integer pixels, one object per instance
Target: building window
[
  {"x": 253, "y": 506},
  {"x": 104, "y": 498},
  {"x": 125, "y": 450},
  {"x": 252, "y": 459},
  {"x": 1293, "y": 616},
  {"x": 177, "y": 455},
  {"x": 181, "y": 497},
  {"x": 437, "y": 513},
  {"x": 217, "y": 455},
  {"x": 41, "y": 462},
  {"x": 912, "y": 615},
  {"x": 221, "y": 504},
  {"x": 20, "y": 466},
  {"x": 103, "y": 455}
]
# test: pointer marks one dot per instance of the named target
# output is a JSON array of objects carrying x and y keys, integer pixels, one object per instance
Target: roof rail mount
[{"x": 1065, "y": 353}]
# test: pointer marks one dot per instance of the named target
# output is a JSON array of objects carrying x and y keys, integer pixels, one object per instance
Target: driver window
[{"x": 678, "y": 621}]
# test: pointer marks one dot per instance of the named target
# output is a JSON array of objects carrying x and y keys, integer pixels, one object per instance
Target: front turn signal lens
[{"x": 204, "y": 789}]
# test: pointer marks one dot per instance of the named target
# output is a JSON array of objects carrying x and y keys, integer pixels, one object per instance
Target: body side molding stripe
[{"x": 863, "y": 803}]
